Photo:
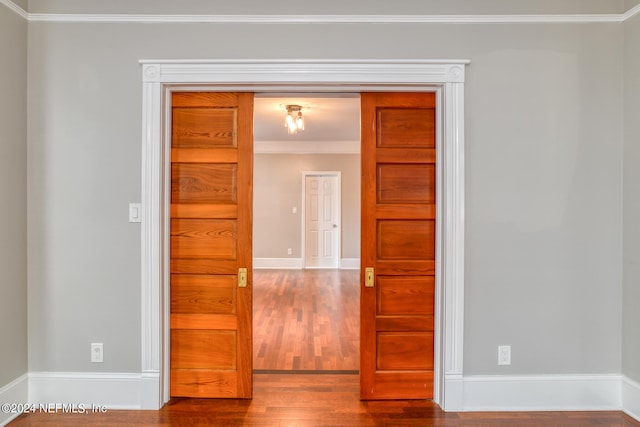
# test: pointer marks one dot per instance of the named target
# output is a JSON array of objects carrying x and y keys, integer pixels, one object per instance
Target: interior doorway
[
  {"x": 306, "y": 276},
  {"x": 161, "y": 78},
  {"x": 321, "y": 219}
]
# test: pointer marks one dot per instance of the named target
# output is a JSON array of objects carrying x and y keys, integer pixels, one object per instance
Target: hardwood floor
[
  {"x": 306, "y": 320},
  {"x": 317, "y": 400}
]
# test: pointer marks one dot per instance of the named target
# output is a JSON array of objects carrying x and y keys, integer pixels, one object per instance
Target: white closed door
[{"x": 322, "y": 220}]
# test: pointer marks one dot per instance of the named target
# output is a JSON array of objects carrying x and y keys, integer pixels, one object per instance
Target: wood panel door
[
  {"x": 211, "y": 220},
  {"x": 398, "y": 243}
]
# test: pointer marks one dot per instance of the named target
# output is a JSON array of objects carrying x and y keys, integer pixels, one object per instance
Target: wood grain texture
[
  {"x": 203, "y": 238},
  {"x": 211, "y": 204},
  {"x": 405, "y": 295},
  {"x": 398, "y": 241},
  {"x": 400, "y": 183},
  {"x": 406, "y": 239},
  {"x": 317, "y": 401},
  {"x": 406, "y": 127},
  {"x": 198, "y": 127},
  {"x": 206, "y": 294},
  {"x": 203, "y": 349},
  {"x": 306, "y": 320},
  {"x": 203, "y": 183},
  {"x": 404, "y": 351}
]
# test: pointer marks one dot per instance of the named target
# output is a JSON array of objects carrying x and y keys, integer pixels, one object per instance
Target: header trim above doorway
[
  {"x": 298, "y": 72},
  {"x": 444, "y": 77}
]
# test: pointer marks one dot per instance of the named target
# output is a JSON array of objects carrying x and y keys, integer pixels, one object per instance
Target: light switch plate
[
  {"x": 97, "y": 354},
  {"x": 135, "y": 212},
  {"x": 504, "y": 355}
]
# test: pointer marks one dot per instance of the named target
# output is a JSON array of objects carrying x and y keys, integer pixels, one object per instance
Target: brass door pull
[
  {"x": 369, "y": 277},
  {"x": 242, "y": 277}
]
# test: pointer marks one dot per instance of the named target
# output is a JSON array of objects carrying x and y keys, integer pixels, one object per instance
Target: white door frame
[
  {"x": 338, "y": 175},
  {"x": 444, "y": 77}
]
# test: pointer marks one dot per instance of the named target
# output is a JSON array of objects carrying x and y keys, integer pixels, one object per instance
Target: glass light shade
[{"x": 300, "y": 121}]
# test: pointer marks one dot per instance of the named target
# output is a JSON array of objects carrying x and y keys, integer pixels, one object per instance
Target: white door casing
[
  {"x": 444, "y": 77},
  {"x": 322, "y": 229}
]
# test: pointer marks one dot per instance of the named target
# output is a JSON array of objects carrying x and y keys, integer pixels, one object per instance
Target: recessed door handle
[
  {"x": 369, "y": 277},
  {"x": 242, "y": 277}
]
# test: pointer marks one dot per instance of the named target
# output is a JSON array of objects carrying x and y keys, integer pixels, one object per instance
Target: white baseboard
[
  {"x": 298, "y": 263},
  {"x": 16, "y": 392},
  {"x": 350, "y": 263},
  {"x": 542, "y": 393},
  {"x": 112, "y": 390},
  {"x": 631, "y": 397},
  {"x": 279, "y": 263},
  {"x": 470, "y": 393},
  {"x": 452, "y": 398},
  {"x": 151, "y": 391}
]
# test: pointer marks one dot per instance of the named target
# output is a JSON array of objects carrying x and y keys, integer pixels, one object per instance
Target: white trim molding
[
  {"x": 109, "y": 390},
  {"x": 350, "y": 264},
  {"x": 476, "y": 393},
  {"x": 278, "y": 263},
  {"x": 631, "y": 397},
  {"x": 325, "y": 19},
  {"x": 332, "y": 19},
  {"x": 542, "y": 393},
  {"x": 444, "y": 77},
  {"x": 14, "y": 393},
  {"x": 15, "y": 8},
  {"x": 631, "y": 13}
]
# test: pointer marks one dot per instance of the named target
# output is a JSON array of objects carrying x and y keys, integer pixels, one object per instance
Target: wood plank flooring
[
  {"x": 306, "y": 320},
  {"x": 318, "y": 400}
]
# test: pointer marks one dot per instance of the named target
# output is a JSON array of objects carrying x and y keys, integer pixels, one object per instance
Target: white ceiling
[{"x": 327, "y": 117}]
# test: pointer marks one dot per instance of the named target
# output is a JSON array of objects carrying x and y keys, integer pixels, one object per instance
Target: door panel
[
  {"x": 211, "y": 209},
  {"x": 398, "y": 241}
]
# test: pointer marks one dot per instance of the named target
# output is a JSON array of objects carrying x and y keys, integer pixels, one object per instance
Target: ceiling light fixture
[{"x": 294, "y": 120}]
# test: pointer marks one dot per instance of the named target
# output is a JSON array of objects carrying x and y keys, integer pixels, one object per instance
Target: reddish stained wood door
[
  {"x": 398, "y": 241},
  {"x": 211, "y": 210}
]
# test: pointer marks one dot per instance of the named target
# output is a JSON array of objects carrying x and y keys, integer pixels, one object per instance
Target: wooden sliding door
[
  {"x": 398, "y": 245},
  {"x": 211, "y": 210},
  {"x": 211, "y": 257}
]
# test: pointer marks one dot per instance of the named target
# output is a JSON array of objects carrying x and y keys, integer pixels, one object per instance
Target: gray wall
[
  {"x": 13, "y": 193},
  {"x": 543, "y": 164},
  {"x": 278, "y": 187},
  {"x": 631, "y": 313}
]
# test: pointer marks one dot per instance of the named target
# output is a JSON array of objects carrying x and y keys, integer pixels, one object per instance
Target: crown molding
[
  {"x": 631, "y": 13},
  {"x": 15, "y": 8},
  {"x": 328, "y": 19},
  {"x": 324, "y": 19}
]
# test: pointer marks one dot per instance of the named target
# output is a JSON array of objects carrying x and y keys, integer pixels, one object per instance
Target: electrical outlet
[
  {"x": 289, "y": 251},
  {"x": 97, "y": 355},
  {"x": 504, "y": 355}
]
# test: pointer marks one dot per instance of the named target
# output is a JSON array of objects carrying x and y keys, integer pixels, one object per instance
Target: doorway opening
[
  {"x": 161, "y": 78},
  {"x": 306, "y": 232}
]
